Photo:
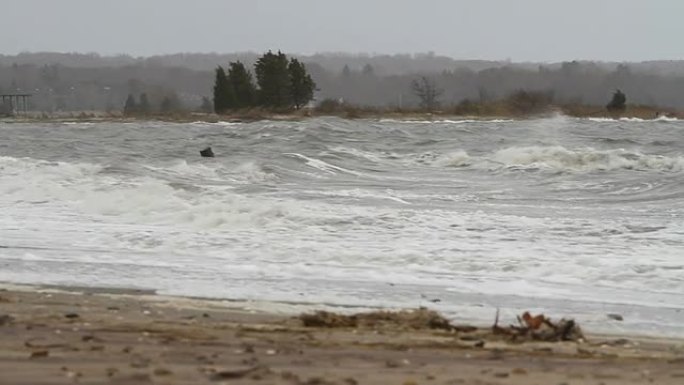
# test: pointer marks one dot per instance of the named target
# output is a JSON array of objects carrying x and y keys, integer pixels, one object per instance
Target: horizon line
[{"x": 369, "y": 55}]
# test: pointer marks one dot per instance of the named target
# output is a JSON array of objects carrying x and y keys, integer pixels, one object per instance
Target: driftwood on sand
[{"x": 529, "y": 328}]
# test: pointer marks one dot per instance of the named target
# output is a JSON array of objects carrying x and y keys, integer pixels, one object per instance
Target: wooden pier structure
[{"x": 14, "y": 104}]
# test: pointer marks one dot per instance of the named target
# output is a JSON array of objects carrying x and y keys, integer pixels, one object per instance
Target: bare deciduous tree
[{"x": 428, "y": 93}]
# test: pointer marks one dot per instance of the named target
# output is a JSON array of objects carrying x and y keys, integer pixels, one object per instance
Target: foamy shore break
[{"x": 70, "y": 335}]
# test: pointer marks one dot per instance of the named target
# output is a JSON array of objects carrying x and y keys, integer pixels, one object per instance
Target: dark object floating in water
[{"x": 207, "y": 153}]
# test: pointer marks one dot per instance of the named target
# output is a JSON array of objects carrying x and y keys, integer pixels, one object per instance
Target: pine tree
[
  {"x": 206, "y": 106},
  {"x": 273, "y": 79},
  {"x": 241, "y": 81},
  {"x": 224, "y": 95},
  {"x": 346, "y": 72},
  {"x": 618, "y": 103},
  {"x": 144, "y": 105},
  {"x": 302, "y": 85},
  {"x": 131, "y": 106},
  {"x": 170, "y": 103}
]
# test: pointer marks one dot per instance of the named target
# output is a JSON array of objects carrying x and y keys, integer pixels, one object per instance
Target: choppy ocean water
[{"x": 573, "y": 217}]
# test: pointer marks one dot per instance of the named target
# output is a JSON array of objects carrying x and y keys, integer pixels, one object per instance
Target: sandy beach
[{"x": 63, "y": 336}]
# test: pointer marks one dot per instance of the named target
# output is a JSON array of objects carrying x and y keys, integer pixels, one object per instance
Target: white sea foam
[
  {"x": 322, "y": 165},
  {"x": 666, "y": 119},
  {"x": 373, "y": 157},
  {"x": 445, "y": 121},
  {"x": 661, "y": 118},
  {"x": 185, "y": 169},
  {"x": 586, "y": 159},
  {"x": 83, "y": 124},
  {"x": 142, "y": 200},
  {"x": 553, "y": 158},
  {"x": 302, "y": 218},
  {"x": 454, "y": 159}
]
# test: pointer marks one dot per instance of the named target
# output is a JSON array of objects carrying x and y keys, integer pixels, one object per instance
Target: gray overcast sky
[{"x": 521, "y": 30}]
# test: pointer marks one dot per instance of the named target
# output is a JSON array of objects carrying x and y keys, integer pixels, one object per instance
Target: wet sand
[{"x": 87, "y": 336}]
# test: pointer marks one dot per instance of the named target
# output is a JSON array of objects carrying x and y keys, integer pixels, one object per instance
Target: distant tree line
[
  {"x": 142, "y": 106},
  {"x": 74, "y": 82},
  {"x": 281, "y": 83}
]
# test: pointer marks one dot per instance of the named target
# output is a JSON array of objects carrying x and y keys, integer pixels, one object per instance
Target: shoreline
[
  {"x": 269, "y": 308},
  {"x": 614, "y": 319},
  {"x": 644, "y": 113},
  {"x": 49, "y": 335},
  {"x": 228, "y": 120}
]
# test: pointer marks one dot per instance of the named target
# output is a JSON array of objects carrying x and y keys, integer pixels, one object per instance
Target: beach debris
[
  {"x": 72, "y": 374},
  {"x": 162, "y": 372},
  {"x": 585, "y": 352},
  {"x": 72, "y": 315},
  {"x": 233, "y": 374},
  {"x": 543, "y": 349},
  {"x": 318, "y": 381},
  {"x": 496, "y": 354},
  {"x": 519, "y": 371},
  {"x": 6, "y": 319},
  {"x": 91, "y": 338},
  {"x": 39, "y": 353},
  {"x": 392, "y": 364},
  {"x": 421, "y": 318},
  {"x": 140, "y": 362},
  {"x": 615, "y": 317},
  {"x": 616, "y": 342},
  {"x": 290, "y": 377},
  {"x": 252, "y": 361},
  {"x": 530, "y": 327},
  {"x": 539, "y": 328},
  {"x": 42, "y": 343},
  {"x": 207, "y": 153}
]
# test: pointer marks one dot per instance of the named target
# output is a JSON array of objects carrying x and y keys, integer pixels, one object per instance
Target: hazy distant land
[{"x": 360, "y": 85}]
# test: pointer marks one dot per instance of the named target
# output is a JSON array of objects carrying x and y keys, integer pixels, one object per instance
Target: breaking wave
[
  {"x": 358, "y": 212},
  {"x": 635, "y": 120},
  {"x": 559, "y": 158},
  {"x": 552, "y": 158},
  {"x": 181, "y": 194}
]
